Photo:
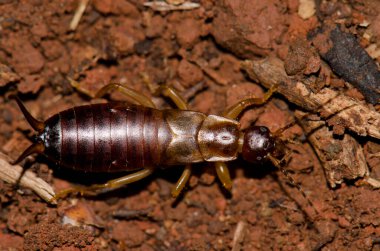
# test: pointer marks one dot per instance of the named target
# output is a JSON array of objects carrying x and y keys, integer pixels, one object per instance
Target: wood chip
[
  {"x": 342, "y": 158},
  {"x": 11, "y": 174},
  {"x": 164, "y": 6},
  {"x": 330, "y": 104}
]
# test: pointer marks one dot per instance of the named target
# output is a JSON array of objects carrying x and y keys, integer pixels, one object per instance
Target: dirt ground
[{"x": 196, "y": 48}]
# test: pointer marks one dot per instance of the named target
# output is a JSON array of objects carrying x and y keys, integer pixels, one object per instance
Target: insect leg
[
  {"x": 234, "y": 111},
  {"x": 286, "y": 159},
  {"x": 181, "y": 183},
  {"x": 169, "y": 92},
  {"x": 110, "y": 185},
  {"x": 134, "y": 95},
  {"x": 224, "y": 175}
]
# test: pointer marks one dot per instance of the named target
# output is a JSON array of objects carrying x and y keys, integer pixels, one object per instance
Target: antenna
[{"x": 277, "y": 163}]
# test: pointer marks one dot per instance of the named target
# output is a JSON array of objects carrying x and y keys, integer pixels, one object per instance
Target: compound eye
[{"x": 266, "y": 145}]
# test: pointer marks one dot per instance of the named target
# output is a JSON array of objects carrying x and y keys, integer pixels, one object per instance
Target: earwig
[{"x": 114, "y": 137}]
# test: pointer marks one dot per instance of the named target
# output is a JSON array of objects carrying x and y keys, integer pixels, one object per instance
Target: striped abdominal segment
[{"x": 106, "y": 137}]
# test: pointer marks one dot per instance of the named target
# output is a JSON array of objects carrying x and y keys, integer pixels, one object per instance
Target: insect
[{"x": 115, "y": 136}]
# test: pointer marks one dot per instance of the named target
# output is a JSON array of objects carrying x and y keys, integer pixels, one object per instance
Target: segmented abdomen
[{"x": 107, "y": 137}]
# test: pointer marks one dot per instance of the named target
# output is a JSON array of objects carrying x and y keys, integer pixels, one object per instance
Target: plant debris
[
  {"x": 348, "y": 59},
  {"x": 11, "y": 174},
  {"x": 340, "y": 110},
  {"x": 342, "y": 158},
  {"x": 166, "y": 6}
]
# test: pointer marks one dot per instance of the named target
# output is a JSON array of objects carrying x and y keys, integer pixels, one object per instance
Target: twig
[
  {"x": 78, "y": 14},
  {"x": 11, "y": 174},
  {"x": 238, "y": 236},
  {"x": 164, "y": 6},
  {"x": 330, "y": 104},
  {"x": 211, "y": 73}
]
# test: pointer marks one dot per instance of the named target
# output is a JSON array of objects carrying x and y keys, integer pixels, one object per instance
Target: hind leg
[
  {"x": 129, "y": 92},
  {"x": 172, "y": 94},
  {"x": 110, "y": 185}
]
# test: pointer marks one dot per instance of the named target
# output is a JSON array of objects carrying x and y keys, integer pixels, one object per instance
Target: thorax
[{"x": 196, "y": 137}]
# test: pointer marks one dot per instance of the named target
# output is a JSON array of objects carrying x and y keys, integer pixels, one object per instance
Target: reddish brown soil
[{"x": 198, "y": 52}]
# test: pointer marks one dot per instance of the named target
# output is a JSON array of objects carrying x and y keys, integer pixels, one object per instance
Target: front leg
[{"x": 234, "y": 111}]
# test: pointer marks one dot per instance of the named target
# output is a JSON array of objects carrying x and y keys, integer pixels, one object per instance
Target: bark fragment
[
  {"x": 349, "y": 60},
  {"x": 340, "y": 110},
  {"x": 342, "y": 158}
]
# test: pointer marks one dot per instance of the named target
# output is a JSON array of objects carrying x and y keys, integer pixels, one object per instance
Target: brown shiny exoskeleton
[{"x": 114, "y": 137}]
